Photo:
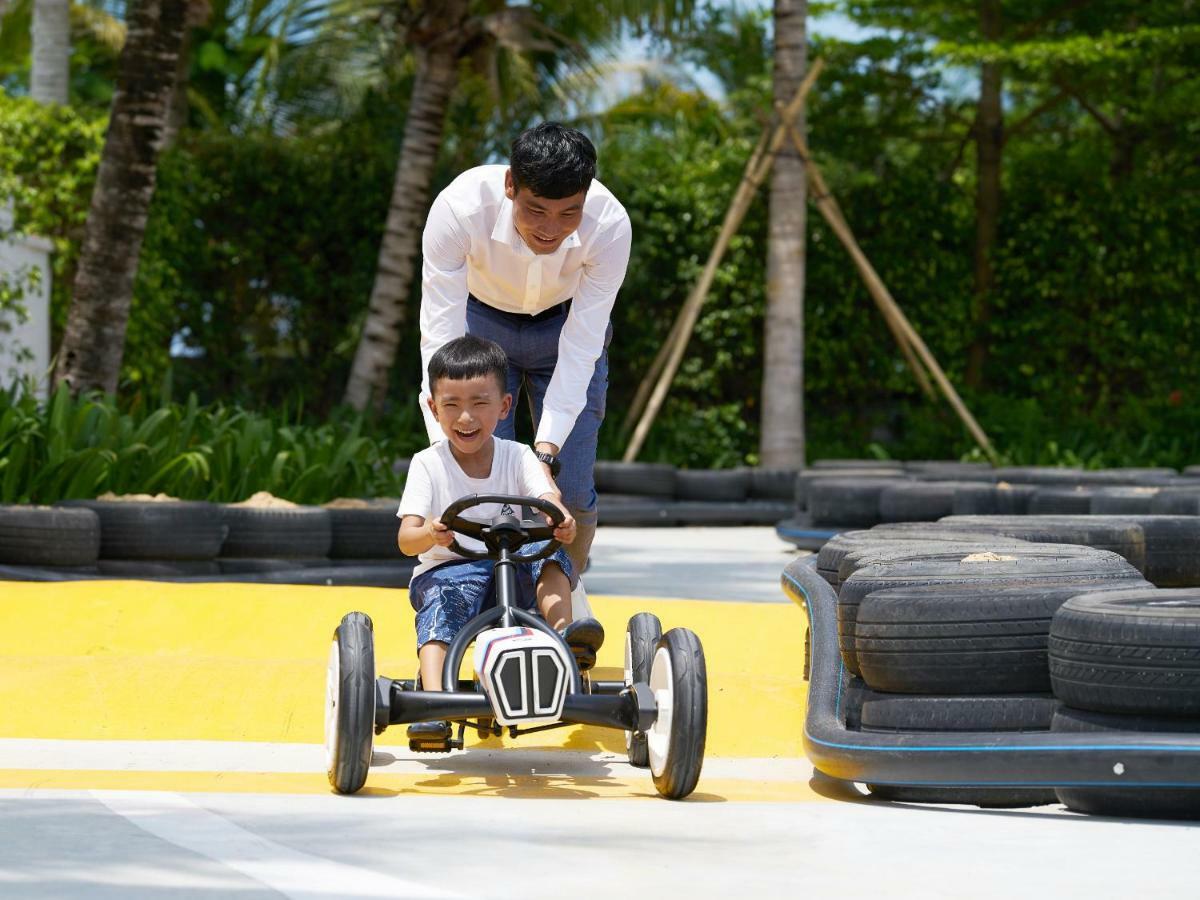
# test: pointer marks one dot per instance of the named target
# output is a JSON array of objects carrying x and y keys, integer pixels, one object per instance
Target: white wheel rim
[
  {"x": 628, "y": 680},
  {"x": 333, "y": 677},
  {"x": 662, "y": 685}
]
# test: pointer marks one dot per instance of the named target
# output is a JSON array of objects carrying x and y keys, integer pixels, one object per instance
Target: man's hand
[
  {"x": 552, "y": 449},
  {"x": 439, "y": 533}
]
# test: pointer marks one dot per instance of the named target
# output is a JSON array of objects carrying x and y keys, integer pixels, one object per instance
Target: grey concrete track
[
  {"x": 141, "y": 845},
  {"x": 693, "y": 563}
]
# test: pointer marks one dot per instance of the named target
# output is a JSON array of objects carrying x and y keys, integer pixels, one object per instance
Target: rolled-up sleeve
[
  {"x": 582, "y": 338},
  {"x": 444, "y": 246}
]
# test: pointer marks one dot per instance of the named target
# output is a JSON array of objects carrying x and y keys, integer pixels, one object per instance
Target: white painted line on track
[
  {"x": 238, "y": 756},
  {"x": 175, "y": 818}
]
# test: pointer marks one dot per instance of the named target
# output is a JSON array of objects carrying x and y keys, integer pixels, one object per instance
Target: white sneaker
[{"x": 580, "y": 608}]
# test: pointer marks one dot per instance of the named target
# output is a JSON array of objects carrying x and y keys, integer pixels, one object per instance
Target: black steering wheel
[{"x": 505, "y": 531}]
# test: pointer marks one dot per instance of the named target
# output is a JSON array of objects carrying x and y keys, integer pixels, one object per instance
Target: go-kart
[{"x": 526, "y": 677}]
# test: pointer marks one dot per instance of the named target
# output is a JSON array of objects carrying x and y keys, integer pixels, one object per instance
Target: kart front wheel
[
  {"x": 676, "y": 739},
  {"x": 350, "y": 703},
  {"x": 641, "y": 638}
]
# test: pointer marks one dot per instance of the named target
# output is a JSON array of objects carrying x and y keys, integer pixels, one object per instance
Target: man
[{"x": 531, "y": 255}]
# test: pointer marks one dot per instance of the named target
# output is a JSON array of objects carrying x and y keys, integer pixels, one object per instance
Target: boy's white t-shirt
[{"x": 435, "y": 480}]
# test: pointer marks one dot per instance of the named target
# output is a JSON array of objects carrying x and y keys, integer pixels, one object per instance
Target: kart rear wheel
[
  {"x": 350, "y": 703},
  {"x": 641, "y": 638},
  {"x": 676, "y": 739}
]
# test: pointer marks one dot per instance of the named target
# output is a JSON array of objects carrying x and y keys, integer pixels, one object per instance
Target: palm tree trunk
[
  {"x": 94, "y": 340},
  {"x": 198, "y": 13},
  {"x": 989, "y": 151},
  {"x": 50, "y": 75},
  {"x": 437, "y": 76},
  {"x": 782, "y": 437}
]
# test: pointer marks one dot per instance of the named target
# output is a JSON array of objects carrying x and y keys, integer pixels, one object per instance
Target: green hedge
[{"x": 70, "y": 448}]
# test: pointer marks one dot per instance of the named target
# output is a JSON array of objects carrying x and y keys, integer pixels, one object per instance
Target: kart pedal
[{"x": 430, "y": 746}]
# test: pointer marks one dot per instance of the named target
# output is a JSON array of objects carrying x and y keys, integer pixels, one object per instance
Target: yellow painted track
[{"x": 110, "y": 660}]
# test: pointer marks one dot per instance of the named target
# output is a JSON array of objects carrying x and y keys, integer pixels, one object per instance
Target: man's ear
[
  {"x": 505, "y": 405},
  {"x": 510, "y": 186}
]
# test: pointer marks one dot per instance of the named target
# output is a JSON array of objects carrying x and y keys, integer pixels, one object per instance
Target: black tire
[
  {"x": 1172, "y": 548},
  {"x": 773, "y": 484},
  {"x": 920, "y": 501},
  {"x": 1004, "y": 712},
  {"x": 131, "y": 529},
  {"x": 676, "y": 747},
  {"x": 1061, "y": 501},
  {"x": 712, "y": 485},
  {"x": 350, "y": 704},
  {"x": 847, "y": 501},
  {"x": 297, "y": 532},
  {"x": 643, "y": 479},
  {"x": 635, "y": 511},
  {"x": 978, "y": 639},
  {"x": 993, "y": 499},
  {"x": 1022, "y": 713},
  {"x": 983, "y": 797},
  {"x": 641, "y": 638},
  {"x": 1060, "y": 475},
  {"x": 1176, "y": 501},
  {"x": 48, "y": 536},
  {"x": 364, "y": 533},
  {"x": 1016, "y": 566},
  {"x": 893, "y": 464},
  {"x": 1116, "y": 501},
  {"x": 917, "y": 544},
  {"x": 919, "y": 537},
  {"x": 1121, "y": 536},
  {"x": 1144, "y": 802},
  {"x": 807, "y": 478},
  {"x": 1135, "y": 652}
]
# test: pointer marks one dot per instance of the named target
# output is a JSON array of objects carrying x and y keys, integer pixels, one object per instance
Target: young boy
[{"x": 467, "y": 381}]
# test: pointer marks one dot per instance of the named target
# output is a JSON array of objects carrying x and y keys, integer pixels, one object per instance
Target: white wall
[{"x": 19, "y": 257}]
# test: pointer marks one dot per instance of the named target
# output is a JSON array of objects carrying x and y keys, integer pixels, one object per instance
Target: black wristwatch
[{"x": 551, "y": 460}]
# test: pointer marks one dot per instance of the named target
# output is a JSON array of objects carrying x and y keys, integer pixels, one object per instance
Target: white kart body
[{"x": 525, "y": 675}]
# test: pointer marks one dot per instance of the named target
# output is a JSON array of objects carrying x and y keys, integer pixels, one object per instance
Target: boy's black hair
[
  {"x": 553, "y": 161},
  {"x": 468, "y": 357}
]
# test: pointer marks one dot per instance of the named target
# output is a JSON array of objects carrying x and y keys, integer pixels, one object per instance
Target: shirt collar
[{"x": 505, "y": 231}]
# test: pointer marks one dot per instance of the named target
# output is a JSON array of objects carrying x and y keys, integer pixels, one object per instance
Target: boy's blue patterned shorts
[{"x": 449, "y": 596}]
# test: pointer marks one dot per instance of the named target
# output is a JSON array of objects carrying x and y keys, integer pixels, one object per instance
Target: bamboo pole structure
[
  {"x": 887, "y": 304},
  {"x": 828, "y": 206},
  {"x": 756, "y": 170},
  {"x": 650, "y": 378}
]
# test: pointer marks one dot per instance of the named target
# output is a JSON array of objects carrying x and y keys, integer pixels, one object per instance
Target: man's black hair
[
  {"x": 468, "y": 357},
  {"x": 553, "y": 161}
]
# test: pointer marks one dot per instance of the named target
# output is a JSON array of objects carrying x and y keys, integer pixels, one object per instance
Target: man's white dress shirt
[{"x": 471, "y": 246}]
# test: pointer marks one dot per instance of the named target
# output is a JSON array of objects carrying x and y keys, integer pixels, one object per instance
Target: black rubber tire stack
[
  {"x": 1128, "y": 661},
  {"x": 54, "y": 538},
  {"x": 949, "y": 714},
  {"x": 363, "y": 545},
  {"x": 151, "y": 539},
  {"x": 277, "y": 539}
]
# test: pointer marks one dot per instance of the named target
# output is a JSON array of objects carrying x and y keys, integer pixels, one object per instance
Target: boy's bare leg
[
  {"x": 554, "y": 596},
  {"x": 432, "y": 656}
]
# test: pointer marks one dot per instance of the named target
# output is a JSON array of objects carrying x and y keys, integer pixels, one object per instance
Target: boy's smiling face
[{"x": 468, "y": 410}]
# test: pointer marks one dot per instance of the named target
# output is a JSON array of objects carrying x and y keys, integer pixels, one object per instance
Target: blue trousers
[
  {"x": 447, "y": 597},
  {"x": 532, "y": 348}
]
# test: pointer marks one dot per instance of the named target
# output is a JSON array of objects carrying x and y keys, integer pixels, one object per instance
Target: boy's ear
[
  {"x": 432, "y": 405},
  {"x": 505, "y": 405}
]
